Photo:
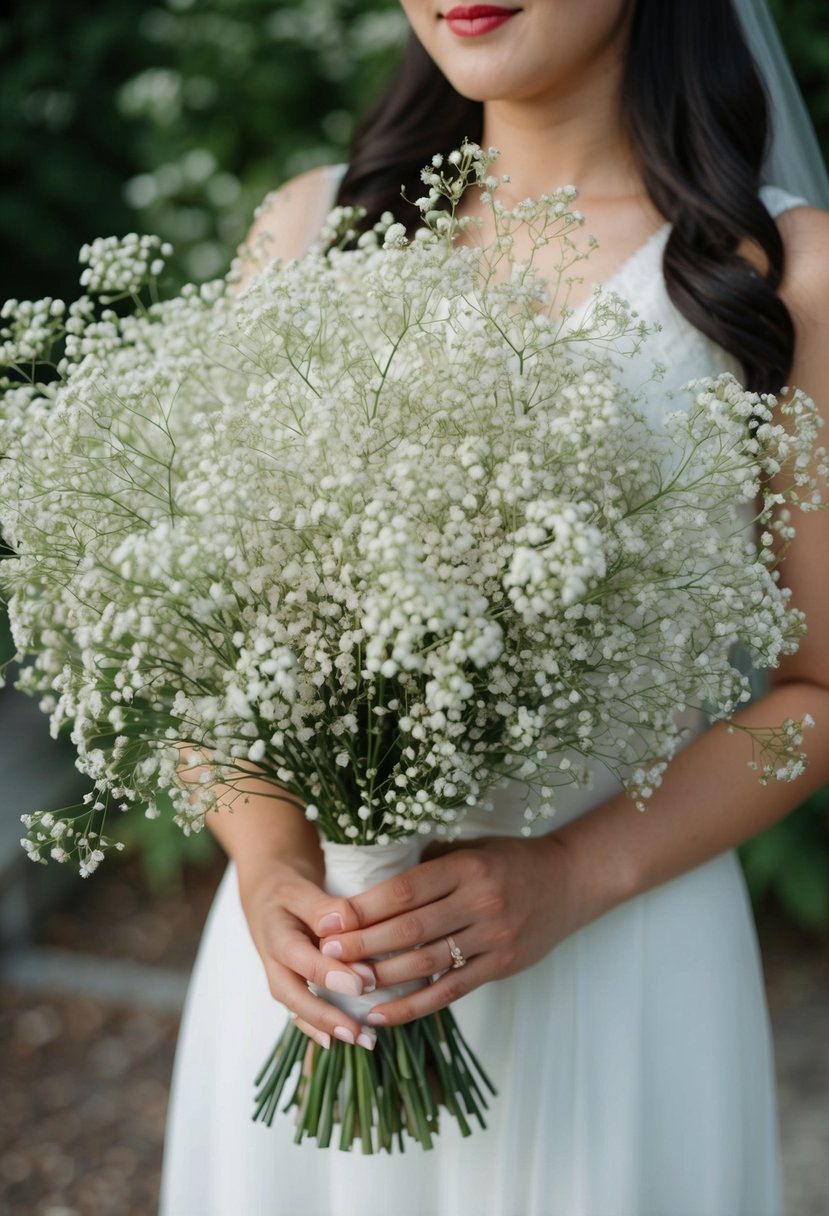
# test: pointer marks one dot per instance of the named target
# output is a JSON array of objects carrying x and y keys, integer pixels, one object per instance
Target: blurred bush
[
  {"x": 177, "y": 117},
  {"x": 242, "y": 95},
  {"x": 805, "y": 32},
  {"x": 787, "y": 866},
  {"x": 65, "y": 151},
  {"x": 162, "y": 848},
  {"x": 174, "y": 117}
]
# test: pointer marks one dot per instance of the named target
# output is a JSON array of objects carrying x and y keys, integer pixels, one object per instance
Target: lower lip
[{"x": 471, "y": 27}]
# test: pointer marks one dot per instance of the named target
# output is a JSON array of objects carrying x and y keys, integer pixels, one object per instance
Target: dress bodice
[{"x": 683, "y": 351}]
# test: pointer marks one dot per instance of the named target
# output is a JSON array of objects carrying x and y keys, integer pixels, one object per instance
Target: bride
[{"x": 626, "y": 1028}]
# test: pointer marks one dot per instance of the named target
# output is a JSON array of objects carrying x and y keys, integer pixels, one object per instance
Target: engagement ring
[{"x": 457, "y": 958}]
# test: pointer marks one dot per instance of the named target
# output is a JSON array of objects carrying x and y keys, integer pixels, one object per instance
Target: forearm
[{"x": 709, "y": 801}]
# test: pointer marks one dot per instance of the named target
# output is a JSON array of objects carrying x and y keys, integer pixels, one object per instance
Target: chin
[
  {"x": 484, "y": 81},
  {"x": 496, "y": 66},
  {"x": 477, "y": 86},
  {"x": 481, "y": 73}
]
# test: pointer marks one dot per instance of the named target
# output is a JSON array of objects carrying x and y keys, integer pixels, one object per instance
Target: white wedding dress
[{"x": 633, "y": 1064}]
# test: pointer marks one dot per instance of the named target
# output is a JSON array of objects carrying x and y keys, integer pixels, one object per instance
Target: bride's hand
[
  {"x": 505, "y": 901},
  {"x": 286, "y": 914}
]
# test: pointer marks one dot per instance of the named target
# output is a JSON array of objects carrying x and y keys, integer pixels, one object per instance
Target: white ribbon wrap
[{"x": 351, "y": 869}]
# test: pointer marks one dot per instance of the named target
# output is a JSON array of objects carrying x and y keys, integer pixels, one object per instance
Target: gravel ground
[
  {"x": 84, "y": 1083},
  {"x": 797, "y": 985},
  {"x": 82, "y": 1105}
]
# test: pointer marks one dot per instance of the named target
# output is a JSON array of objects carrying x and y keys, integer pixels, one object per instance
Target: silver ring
[
  {"x": 454, "y": 949},
  {"x": 293, "y": 1016}
]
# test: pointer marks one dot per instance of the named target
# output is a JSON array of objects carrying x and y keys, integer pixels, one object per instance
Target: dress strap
[{"x": 777, "y": 201}]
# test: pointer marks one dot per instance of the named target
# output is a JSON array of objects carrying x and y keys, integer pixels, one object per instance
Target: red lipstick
[{"x": 469, "y": 21}]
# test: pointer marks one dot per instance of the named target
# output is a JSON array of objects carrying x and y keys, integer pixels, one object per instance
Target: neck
[{"x": 571, "y": 136}]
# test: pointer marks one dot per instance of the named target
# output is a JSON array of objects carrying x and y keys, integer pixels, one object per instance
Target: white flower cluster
[
  {"x": 377, "y": 526},
  {"x": 122, "y": 265},
  {"x": 35, "y": 326},
  {"x": 558, "y": 557},
  {"x": 62, "y": 839}
]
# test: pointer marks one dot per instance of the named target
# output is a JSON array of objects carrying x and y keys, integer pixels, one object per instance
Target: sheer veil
[{"x": 793, "y": 160}]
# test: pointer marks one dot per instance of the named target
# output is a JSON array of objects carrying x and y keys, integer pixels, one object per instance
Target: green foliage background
[
  {"x": 177, "y": 117},
  {"x": 173, "y": 117}
]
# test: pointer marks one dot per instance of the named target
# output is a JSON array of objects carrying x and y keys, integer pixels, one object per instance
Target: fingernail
[
  {"x": 368, "y": 1039},
  {"x": 369, "y": 978},
  {"x": 376, "y": 1019},
  {"x": 332, "y": 923},
  {"x": 342, "y": 1032},
  {"x": 323, "y": 1039},
  {"x": 333, "y": 949},
  {"x": 342, "y": 981}
]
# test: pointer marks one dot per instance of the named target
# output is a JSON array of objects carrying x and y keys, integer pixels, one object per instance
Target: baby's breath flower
[
  {"x": 118, "y": 265},
  {"x": 395, "y": 237},
  {"x": 375, "y": 525}
]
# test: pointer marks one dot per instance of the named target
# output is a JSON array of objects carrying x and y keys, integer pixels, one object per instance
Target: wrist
[
  {"x": 264, "y": 833},
  {"x": 265, "y": 883},
  {"x": 596, "y": 879},
  {"x": 276, "y": 866}
]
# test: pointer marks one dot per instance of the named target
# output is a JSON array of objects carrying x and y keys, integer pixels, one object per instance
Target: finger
[
  {"x": 404, "y": 932},
  {"x": 320, "y": 912},
  {"x": 315, "y": 1012},
  {"x": 432, "y": 959},
  {"x": 298, "y": 954},
  {"x": 422, "y": 884},
  {"x": 451, "y": 986},
  {"x": 319, "y": 1036},
  {"x": 366, "y": 1038}
]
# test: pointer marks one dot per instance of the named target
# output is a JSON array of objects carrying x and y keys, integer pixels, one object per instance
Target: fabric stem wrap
[{"x": 351, "y": 869}]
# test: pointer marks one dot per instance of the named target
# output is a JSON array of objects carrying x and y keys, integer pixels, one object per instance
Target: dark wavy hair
[{"x": 696, "y": 110}]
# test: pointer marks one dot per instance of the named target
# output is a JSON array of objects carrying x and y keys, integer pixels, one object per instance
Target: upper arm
[
  {"x": 805, "y": 569},
  {"x": 287, "y": 219}
]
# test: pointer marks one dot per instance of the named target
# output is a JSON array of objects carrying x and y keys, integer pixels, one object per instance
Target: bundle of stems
[{"x": 376, "y": 1098}]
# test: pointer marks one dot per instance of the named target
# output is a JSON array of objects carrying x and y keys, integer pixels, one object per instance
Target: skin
[{"x": 549, "y": 79}]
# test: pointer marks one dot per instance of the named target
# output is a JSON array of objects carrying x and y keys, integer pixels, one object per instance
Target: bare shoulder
[
  {"x": 805, "y": 287},
  {"x": 285, "y": 219},
  {"x": 805, "y": 292}
]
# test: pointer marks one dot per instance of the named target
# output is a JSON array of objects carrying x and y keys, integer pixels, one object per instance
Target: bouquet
[{"x": 385, "y": 529}]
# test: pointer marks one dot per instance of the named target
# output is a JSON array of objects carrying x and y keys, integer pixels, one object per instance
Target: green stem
[{"x": 414, "y": 1070}]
